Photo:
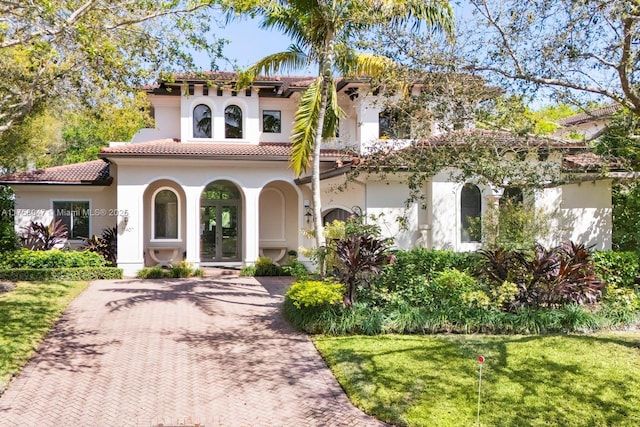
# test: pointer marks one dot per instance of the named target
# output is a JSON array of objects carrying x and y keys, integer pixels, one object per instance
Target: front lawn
[
  {"x": 553, "y": 380},
  {"x": 27, "y": 313}
]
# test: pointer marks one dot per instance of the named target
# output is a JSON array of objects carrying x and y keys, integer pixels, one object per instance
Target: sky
[{"x": 248, "y": 43}]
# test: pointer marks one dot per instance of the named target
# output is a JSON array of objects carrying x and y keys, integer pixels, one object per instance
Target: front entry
[{"x": 220, "y": 218}]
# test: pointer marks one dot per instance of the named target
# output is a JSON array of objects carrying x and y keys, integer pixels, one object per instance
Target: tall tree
[
  {"x": 573, "y": 49},
  {"x": 324, "y": 34},
  {"x": 53, "y": 49}
]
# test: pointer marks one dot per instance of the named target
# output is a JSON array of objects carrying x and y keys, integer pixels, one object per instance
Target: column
[
  {"x": 130, "y": 228},
  {"x": 193, "y": 224},
  {"x": 252, "y": 225}
]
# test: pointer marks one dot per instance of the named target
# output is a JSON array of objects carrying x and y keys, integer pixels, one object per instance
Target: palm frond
[
  {"x": 436, "y": 14},
  {"x": 281, "y": 62},
  {"x": 369, "y": 64},
  {"x": 333, "y": 114},
  {"x": 305, "y": 124},
  {"x": 291, "y": 59}
]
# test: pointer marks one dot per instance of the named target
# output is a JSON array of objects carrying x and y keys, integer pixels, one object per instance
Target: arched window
[
  {"x": 233, "y": 122},
  {"x": 335, "y": 214},
  {"x": 165, "y": 215},
  {"x": 470, "y": 211},
  {"x": 202, "y": 121}
]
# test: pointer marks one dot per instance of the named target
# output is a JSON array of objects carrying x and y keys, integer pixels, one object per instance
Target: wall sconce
[
  {"x": 308, "y": 213},
  {"x": 357, "y": 210}
]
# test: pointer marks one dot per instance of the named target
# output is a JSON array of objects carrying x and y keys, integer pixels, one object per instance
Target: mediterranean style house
[{"x": 211, "y": 183}]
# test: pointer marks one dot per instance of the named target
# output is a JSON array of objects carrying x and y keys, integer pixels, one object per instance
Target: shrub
[
  {"x": 26, "y": 258},
  {"x": 182, "y": 270},
  {"x": 621, "y": 305},
  {"x": 451, "y": 287},
  {"x": 156, "y": 272},
  {"x": 617, "y": 268},
  {"x": 546, "y": 277},
  {"x": 266, "y": 267},
  {"x": 42, "y": 274},
  {"x": 314, "y": 293},
  {"x": 248, "y": 271},
  {"x": 39, "y": 237},
  {"x": 295, "y": 268},
  {"x": 358, "y": 259},
  {"x": 9, "y": 240},
  {"x": 106, "y": 245}
]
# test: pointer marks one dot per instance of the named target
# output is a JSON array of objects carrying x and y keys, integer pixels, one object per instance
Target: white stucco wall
[
  {"x": 386, "y": 201},
  {"x": 250, "y": 115},
  {"x": 35, "y": 203},
  {"x": 167, "y": 119},
  {"x": 193, "y": 176}
]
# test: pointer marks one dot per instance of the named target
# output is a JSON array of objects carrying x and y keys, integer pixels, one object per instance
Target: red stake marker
[{"x": 481, "y": 361}]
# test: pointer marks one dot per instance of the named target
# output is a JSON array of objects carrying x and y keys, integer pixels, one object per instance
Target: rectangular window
[
  {"x": 75, "y": 215},
  {"x": 393, "y": 124},
  {"x": 271, "y": 121}
]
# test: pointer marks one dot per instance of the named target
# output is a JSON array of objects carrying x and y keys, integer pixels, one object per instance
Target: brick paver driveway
[{"x": 213, "y": 352}]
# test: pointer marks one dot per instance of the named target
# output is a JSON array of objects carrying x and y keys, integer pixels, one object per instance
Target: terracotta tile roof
[
  {"x": 225, "y": 77},
  {"x": 175, "y": 148},
  {"x": 585, "y": 161},
  {"x": 464, "y": 137},
  {"x": 95, "y": 172},
  {"x": 589, "y": 115}
]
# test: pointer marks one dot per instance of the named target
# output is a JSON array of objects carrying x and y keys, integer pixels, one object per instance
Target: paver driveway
[{"x": 213, "y": 352}]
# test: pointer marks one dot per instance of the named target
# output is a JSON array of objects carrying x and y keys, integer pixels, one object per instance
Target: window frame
[
  {"x": 241, "y": 124},
  {"x": 264, "y": 113},
  {"x": 461, "y": 219},
  {"x": 394, "y": 126},
  {"x": 70, "y": 236},
  {"x": 178, "y": 216},
  {"x": 193, "y": 121}
]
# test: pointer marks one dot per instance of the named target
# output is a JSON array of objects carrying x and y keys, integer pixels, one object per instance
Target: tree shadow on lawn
[{"x": 538, "y": 389}]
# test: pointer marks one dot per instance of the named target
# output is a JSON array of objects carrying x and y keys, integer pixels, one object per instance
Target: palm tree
[{"x": 324, "y": 32}]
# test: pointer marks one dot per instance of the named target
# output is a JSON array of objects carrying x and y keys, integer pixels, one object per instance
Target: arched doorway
[{"x": 220, "y": 219}]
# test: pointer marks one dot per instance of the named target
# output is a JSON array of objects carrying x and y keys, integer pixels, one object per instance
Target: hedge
[
  {"x": 40, "y": 274},
  {"x": 620, "y": 269},
  {"x": 25, "y": 258}
]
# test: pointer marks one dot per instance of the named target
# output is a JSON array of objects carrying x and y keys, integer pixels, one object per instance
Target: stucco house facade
[{"x": 211, "y": 183}]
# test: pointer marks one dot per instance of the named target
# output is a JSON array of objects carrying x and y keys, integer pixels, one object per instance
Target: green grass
[
  {"x": 27, "y": 313},
  {"x": 568, "y": 380}
]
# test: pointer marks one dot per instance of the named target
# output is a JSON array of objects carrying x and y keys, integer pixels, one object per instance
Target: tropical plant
[
  {"x": 324, "y": 34},
  {"x": 359, "y": 258},
  {"x": 40, "y": 237},
  {"x": 545, "y": 277},
  {"x": 105, "y": 245}
]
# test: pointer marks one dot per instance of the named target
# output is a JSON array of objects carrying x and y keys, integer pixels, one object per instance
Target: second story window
[
  {"x": 202, "y": 121},
  {"x": 233, "y": 122},
  {"x": 271, "y": 121},
  {"x": 393, "y": 124}
]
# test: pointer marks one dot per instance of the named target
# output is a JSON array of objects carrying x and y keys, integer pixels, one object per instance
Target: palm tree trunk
[{"x": 326, "y": 66}]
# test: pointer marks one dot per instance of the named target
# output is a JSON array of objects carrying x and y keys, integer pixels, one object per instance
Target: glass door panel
[
  {"x": 208, "y": 233},
  {"x": 229, "y": 232}
]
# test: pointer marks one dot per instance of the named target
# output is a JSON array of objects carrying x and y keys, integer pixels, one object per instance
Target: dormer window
[
  {"x": 233, "y": 122},
  {"x": 202, "y": 121}
]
